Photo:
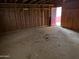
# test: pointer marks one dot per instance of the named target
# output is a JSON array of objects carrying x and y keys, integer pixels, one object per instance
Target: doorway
[{"x": 56, "y": 16}]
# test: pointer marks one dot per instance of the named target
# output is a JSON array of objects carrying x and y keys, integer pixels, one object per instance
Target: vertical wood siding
[
  {"x": 17, "y": 18},
  {"x": 70, "y": 15}
]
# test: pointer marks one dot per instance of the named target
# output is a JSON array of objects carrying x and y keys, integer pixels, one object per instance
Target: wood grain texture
[
  {"x": 15, "y": 18},
  {"x": 70, "y": 15}
]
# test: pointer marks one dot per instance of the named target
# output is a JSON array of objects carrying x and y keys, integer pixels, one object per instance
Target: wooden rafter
[
  {"x": 54, "y": 2},
  {"x": 35, "y": 1},
  {"x": 28, "y": 1},
  {"x": 24, "y": 1},
  {"x": 19, "y": 1},
  {"x": 39, "y": 2},
  {"x": 45, "y": 2}
]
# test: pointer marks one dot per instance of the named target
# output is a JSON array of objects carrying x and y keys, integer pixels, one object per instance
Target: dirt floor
[{"x": 40, "y": 43}]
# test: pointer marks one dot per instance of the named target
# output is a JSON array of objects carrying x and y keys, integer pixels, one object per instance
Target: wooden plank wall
[
  {"x": 14, "y": 18},
  {"x": 70, "y": 15}
]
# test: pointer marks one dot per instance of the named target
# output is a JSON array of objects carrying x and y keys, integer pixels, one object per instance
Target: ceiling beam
[
  {"x": 35, "y": 1},
  {"x": 19, "y": 1},
  {"x": 28, "y": 1},
  {"x": 24, "y": 1},
  {"x": 39, "y": 2},
  {"x": 46, "y": 2},
  {"x": 13, "y": 5}
]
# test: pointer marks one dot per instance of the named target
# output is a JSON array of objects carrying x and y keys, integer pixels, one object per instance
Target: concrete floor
[{"x": 40, "y": 43}]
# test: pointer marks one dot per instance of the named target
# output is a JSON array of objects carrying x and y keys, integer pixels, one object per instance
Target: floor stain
[{"x": 29, "y": 56}]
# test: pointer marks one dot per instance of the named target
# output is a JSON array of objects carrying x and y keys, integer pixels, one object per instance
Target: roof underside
[{"x": 54, "y": 2}]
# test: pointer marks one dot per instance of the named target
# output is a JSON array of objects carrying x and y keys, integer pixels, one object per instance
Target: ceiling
[{"x": 55, "y": 2}]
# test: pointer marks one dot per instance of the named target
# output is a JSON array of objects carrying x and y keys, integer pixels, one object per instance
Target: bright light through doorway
[{"x": 58, "y": 16}]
